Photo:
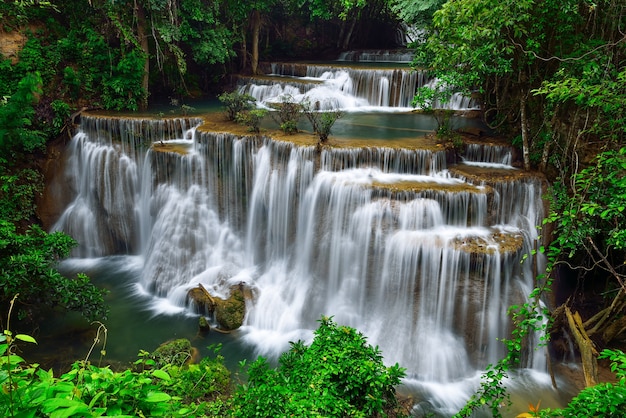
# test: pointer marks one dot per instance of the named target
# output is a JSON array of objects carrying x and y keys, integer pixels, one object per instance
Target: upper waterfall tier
[
  {"x": 399, "y": 55},
  {"x": 349, "y": 88}
]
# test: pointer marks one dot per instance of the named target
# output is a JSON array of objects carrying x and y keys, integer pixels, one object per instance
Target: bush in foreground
[{"x": 338, "y": 375}]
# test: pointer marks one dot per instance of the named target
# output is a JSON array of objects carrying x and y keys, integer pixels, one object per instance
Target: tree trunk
[
  {"x": 348, "y": 35},
  {"x": 256, "y": 29},
  {"x": 142, "y": 34},
  {"x": 244, "y": 50},
  {"x": 587, "y": 351},
  {"x": 547, "y": 146},
  {"x": 524, "y": 123}
]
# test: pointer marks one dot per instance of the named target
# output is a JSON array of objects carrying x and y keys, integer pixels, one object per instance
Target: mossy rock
[
  {"x": 202, "y": 300},
  {"x": 203, "y": 324},
  {"x": 176, "y": 352},
  {"x": 230, "y": 313}
]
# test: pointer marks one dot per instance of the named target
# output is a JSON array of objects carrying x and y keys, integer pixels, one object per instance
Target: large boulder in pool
[{"x": 229, "y": 313}]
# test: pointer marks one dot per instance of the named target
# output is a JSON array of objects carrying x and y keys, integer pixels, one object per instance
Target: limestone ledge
[
  {"x": 216, "y": 122},
  {"x": 418, "y": 186},
  {"x": 498, "y": 241}
]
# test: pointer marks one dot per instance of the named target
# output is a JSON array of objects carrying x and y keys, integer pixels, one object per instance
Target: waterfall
[
  {"x": 400, "y": 55},
  {"x": 488, "y": 153},
  {"x": 421, "y": 258},
  {"x": 337, "y": 87},
  {"x": 333, "y": 87}
]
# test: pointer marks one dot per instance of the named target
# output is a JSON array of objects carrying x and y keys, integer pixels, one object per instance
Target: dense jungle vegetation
[{"x": 551, "y": 76}]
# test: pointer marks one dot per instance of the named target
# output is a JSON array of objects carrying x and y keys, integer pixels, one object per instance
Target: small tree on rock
[{"x": 321, "y": 121}]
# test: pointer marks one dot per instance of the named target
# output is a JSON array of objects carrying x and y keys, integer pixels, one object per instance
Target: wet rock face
[{"x": 56, "y": 195}]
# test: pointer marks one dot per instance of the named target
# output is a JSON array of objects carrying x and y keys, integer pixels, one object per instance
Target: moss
[
  {"x": 230, "y": 313},
  {"x": 173, "y": 352}
]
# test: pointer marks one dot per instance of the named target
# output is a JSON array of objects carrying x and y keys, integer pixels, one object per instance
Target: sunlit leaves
[{"x": 339, "y": 374}]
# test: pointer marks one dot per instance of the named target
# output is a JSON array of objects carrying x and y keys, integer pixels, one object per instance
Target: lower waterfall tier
[{"x": 422, "y": 256}]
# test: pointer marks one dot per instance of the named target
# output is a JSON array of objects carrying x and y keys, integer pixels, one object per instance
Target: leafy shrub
[
  {"x": 122, "y": 89},
  {"x": 17, "y": 194},
  {"x": 91, "y": 391},
  {"x": 287, "y": 114},
  {"x": 321, "y": 122},
  {"x": 72, "y": 82},
  {"x": 196, "y": 383},
  {"x": 338, "y": 375},
  {"x": 431, "y": 100},
  {"x": 236, "y": 103},
  {"x": 252, "y": 119},
  {"x": 16, "y": 117},
  {"x": 28, "y": 267},
  {"x": 61, "y": 114}
]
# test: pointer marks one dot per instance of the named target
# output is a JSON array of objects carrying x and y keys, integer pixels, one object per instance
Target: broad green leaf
[
  {"x": 161, "y": 374},
  {"x": 51, "y": 405},
  {"x": 26, "y": 338},
  {"x": 157, "y": 397}
]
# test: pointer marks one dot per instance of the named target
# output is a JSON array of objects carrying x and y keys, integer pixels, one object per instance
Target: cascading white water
[
  {"x": 404, "y": 56},
  {"x": 385, "y": 240},
  {"x": 346, "y": 88},
  {"x": 332, "y": 87},
  {"x": 488, "y": 153}
]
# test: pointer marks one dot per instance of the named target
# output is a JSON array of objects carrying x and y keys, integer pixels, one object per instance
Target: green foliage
[
  {"x": 602, "y": 90},
  {"x": 195, "y": 383},
  {"x": 122, "y": 89},
  {"x": 203, "y": 29},
  {"x": 338, "y": 375},
  {"x": 472, "y": 39},
  {"x": 321, "y": 122},
  {"x": 91, "y": 391},
  {"x": 327, "y": 10},
  {"x": 590, "y": 219},
  {"x": 287, "y": 114},
  {"x": 602, "y": 400},
  {"x": 418, "y": 13},
  {"x": 72, "y": 82},
  {"x": 61, "y": 114},
  {"x": 17, "y": 194},
  {"x": 38, "y": 56},
  {"x": 17, "y": 115},
  {"x": 236, "y": 103},
  {"x": 431, "y": 99},
  {"x": 28, "y": 267},
  {"x": 252, "y": 119},
  {"x": 176, "y": 352}
]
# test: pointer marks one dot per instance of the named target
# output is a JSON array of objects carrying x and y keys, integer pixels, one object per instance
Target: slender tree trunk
[
  {"x": 256, "y": 29},
  {"x": 342, "y": 30},
  {"x": 524, "y": 123},
  {"x": 142, "y": 34},
  {"x": 244, "y": 50},
  {"x": 348, "y": 35},
  {"x": 547, "y": 146}
]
